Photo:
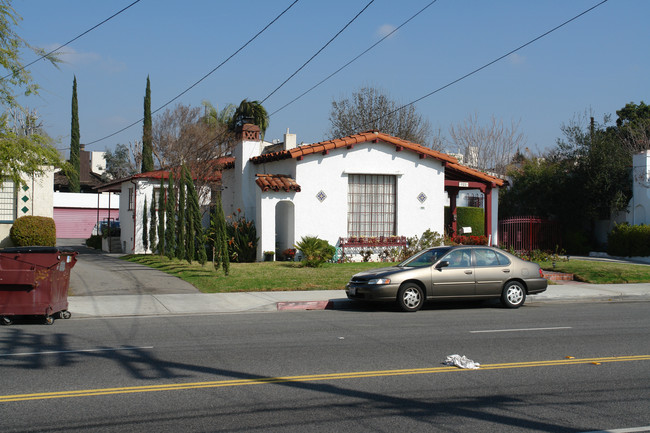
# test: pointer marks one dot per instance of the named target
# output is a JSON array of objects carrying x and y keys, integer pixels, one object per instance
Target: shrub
[
  {"x": 414, "y": 245},
  {"x": 33, "y": 231},
  {"x": 626, "y": 240},
  {"x": 94, "y": 241},
  {"x": 242, "y": 238},
  {"x": 469, "y": 240},
  {"x": 315, "y": 251},
  {"x": 473, "y": 217}
]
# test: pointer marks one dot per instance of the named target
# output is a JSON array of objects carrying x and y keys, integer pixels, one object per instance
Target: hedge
[
  {"x": 473, "y": 217},
  {"x": 33, "y": 231},
  {"x": 629, "y": 241}
]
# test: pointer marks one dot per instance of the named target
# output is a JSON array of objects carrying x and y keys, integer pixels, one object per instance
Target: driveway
[{"x": 97, "y": 273}]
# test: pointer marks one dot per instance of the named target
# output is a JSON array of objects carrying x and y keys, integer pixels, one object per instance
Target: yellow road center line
[{"x": 310, "y": 378}]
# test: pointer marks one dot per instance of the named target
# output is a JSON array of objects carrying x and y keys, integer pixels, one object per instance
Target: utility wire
[
  {"x": 487, "y": 64},
  {"x": 202, "y": 78},
  {"x": 71, "y": 40},
  {"x": 319, "y": 51},
  {"x": 353, "y": 60}
]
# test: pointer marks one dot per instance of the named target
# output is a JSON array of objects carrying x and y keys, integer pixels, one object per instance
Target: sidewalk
[{"x": 202, "y": 303}]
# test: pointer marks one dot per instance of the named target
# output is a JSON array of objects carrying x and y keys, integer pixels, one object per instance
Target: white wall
[
  {"x": 86, "y": 200},
  {"x": 328, "y": 219},
  {"x": 639, "y": 207}
]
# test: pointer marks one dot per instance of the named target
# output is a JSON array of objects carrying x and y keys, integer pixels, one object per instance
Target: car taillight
[{"x": 541, "y": 273}]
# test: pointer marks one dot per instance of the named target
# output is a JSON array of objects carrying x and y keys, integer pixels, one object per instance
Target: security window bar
[
  {"x": 371, "y": 205},
  {"x": 8, "y": 201},
  {"x": 131, "y": 196}
]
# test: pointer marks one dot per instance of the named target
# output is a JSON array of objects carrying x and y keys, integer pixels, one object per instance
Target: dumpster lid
[{"x": 36, "y": 249}]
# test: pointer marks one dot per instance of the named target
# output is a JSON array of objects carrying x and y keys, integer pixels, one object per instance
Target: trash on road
[{"x": 461, "y": 362}]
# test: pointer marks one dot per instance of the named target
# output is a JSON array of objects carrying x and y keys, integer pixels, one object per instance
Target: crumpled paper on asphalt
[{"x": 461, "y": 362}]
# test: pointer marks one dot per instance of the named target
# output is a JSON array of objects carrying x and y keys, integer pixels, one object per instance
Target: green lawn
[
  {"x": 257, "y": 277},
  {"x": 597, "y": 272},
  {"x": 274, "y": 276}
]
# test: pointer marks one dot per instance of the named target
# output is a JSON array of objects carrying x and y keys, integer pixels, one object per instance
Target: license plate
[{"x": 353, "y": 290}]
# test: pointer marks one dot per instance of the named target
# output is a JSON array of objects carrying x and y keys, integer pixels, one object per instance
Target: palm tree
[
  {"x": 213, "y": 117},
  {"x": 250, "y": 112}
]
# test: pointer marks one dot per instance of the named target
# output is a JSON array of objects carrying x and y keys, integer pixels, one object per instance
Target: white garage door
[{"x": 76, "y": 223}]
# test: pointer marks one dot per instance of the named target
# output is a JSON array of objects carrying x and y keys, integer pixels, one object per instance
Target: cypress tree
[
  {"x": 220, "y": 240},
  {"x": 73, "y": 176},
  {"x": 161, "y": 218},
  {"x": 145, "y": 227},
  {"x": 189, "y": 216},
  {"x": 147, "y": 146},
  {"x": 181, "y": 252},
  {"x": 153, "y": 224},
  {"x": 170, "y": 226}
]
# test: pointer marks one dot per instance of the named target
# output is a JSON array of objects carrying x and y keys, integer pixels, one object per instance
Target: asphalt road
[{"x": 572, "y": 367}]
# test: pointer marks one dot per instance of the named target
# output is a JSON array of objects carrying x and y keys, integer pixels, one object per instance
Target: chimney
[
  {"x": 249, "y": 132},
  {"x": 289, "y": 141}
]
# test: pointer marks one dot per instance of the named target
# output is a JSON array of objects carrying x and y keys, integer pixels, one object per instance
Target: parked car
[
  {"x": 454, "y": 273},
  {"x": 101, "y": 226}
]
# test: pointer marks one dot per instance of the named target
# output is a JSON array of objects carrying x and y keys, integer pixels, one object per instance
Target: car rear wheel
[
  {"x": 514, "y": 295},
  {"x": 410, "y": 297}
]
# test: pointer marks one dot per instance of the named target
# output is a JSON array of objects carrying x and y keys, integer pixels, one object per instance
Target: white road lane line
[
  {"x": 623, "y": 430},
  {"x": 54, "y": 352},
  {"x": 521, "y": 329}
]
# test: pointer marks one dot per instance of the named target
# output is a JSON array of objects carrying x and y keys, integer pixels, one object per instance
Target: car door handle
[
  {"x": 506, "y": 270},
  {"x": 468, "y": 272}
]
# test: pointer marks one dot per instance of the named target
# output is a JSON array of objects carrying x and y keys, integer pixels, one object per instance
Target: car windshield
[{"x": 424, "y": 258}]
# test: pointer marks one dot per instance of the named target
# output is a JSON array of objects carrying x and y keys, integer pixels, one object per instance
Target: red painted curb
[{"x": 304, "y": 305}]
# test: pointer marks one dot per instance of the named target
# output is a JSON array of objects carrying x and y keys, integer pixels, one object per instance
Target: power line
[
  {"x": 319, "y": 51},
  {"x": 353, "y": 60},
  {"x": 202, "y": 78},
  {"x": 72, "y": 40},
  {"x": 488, "y": 64}
]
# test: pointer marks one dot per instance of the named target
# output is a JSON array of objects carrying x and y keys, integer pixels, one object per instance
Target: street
[{"x": 563, "y": 367}]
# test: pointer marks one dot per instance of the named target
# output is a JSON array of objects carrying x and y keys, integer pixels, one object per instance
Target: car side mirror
[{"x": 442, "y": 264}]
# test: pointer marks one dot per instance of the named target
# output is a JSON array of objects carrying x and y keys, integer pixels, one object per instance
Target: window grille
[
  {"x": 131, "y": 197},
  {"x": 7, "y": 201},
  {"x": 475, "y": 200},
  {"x": 371, "y": 205}
]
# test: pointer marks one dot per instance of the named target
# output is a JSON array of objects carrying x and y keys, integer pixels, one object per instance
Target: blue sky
[{"x": 599, "y": 62}]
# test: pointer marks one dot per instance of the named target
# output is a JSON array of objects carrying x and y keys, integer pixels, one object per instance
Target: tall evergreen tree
[
  {"x": 147, "y": 145},
  {"x": 153, "y": 224},
  {"x": 145, "y": 226},
  {"x": 190, "y": 236},
  {"x": 181, "y": 252},
  {"x": 73, "y": 176},
  {"x": 219, "y": 238},
  {"x": 161, "y": 218},
  {"x": 170, "y": 226}
]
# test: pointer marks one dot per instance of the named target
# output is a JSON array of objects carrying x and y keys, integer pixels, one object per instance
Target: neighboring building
[
  {"x": 77, "y": 214},
  {"x": 133, "y": 191},
  {"x": 640, "y": 203},
  {"x": 366, "y": 185},
  {"x": 92, "y": 166},
  {"x": 33, "y": 198}
]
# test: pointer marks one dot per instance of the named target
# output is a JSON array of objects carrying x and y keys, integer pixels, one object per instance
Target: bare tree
[
  {"x": 184, "y": 135},
  {"x": 123, "y": 161},
  {"x": 369, "y": 109},
  {"x": 488, "y": 147}
]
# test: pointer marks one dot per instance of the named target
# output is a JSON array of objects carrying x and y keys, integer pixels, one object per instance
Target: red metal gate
[{"x": 527, "y": 233}]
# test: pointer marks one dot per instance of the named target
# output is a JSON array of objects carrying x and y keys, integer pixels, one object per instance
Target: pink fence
[{"x": 527, "y": 233}]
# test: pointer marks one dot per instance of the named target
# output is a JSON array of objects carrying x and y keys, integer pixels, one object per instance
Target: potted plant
[{"x": 268, "y": 256}]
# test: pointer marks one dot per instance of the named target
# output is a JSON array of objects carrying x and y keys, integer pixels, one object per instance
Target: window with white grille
[
  {"x": 7, "y": 201},
  {"x": 371, "y": 205}
]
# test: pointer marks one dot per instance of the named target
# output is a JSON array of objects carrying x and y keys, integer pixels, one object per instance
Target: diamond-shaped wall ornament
[
  {"x": 321, "y": 196},
  {"x": 25, "y": 187},
  {"x": 25, "y": 209},
  {"x": 422, "y": 197},
  {"x": 25, "y": 199}
]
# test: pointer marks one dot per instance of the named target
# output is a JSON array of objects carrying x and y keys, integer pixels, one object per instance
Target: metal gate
[{"x": 526, "y": 233}]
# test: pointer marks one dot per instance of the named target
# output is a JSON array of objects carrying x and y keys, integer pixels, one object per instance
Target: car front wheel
[
  {"x": 514, "y": 295},
  {"x": 410, "y": 297}
]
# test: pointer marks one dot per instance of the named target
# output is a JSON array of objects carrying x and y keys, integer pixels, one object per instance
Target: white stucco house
[
  {"x": 33, "y": 198},
  {"x": 368, "y": 185},
  {"x": 640, "y": 203}
]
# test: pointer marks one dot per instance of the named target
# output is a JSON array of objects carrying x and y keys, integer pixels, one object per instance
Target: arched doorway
[{"x": 284, "y": 227}]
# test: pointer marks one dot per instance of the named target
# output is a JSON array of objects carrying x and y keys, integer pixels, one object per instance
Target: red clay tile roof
[
  {"x": 465, "y": 173},
  {"x": 370, "y": 136},
  {"x": 276, "y": 182}
]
